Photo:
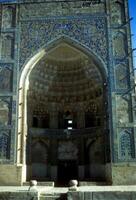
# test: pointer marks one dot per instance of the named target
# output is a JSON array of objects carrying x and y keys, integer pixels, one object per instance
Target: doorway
[{"x": 67, "y": 170}]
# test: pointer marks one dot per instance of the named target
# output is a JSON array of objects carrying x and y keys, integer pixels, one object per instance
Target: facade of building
[{"x": 67, "y": 101}]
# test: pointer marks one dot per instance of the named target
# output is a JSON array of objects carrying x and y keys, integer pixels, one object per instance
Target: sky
[{"x": 132, "y": 12}]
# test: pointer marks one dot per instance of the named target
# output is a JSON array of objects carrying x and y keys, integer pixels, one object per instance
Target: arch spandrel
[{"x": 45, "y": 50}]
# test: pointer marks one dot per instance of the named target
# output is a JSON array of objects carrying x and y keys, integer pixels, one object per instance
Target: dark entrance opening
[{"x": 67, "y": 170}]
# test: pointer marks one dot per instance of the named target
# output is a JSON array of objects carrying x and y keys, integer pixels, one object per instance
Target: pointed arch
[
  {"x": 125, "y": 151},
  {"x": 46, "y": 49},
  {"x": 24, "y": 83}
]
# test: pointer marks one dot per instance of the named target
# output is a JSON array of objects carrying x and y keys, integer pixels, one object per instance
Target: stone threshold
[{"x": 48, "y": 189}]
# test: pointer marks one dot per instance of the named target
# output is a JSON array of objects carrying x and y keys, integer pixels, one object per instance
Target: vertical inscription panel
[
  {"x": 4, "y": 144},
  {"x": 121, "y": 74},
  {"x": 126, "y": 144},
  {"x": 5, "y": 111},
  {"x": 123, "y": 111},
  {"x": 8, "y": 17},
  {"x": 6, "y": 74},
  {"x": 7, "y": 46}
]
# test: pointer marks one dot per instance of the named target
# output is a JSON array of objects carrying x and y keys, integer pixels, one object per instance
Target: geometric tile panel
[
  {"x": 4, "y": 144},
  {"x": 5, "y": 111},
  {"x": 5, "y": 77}
]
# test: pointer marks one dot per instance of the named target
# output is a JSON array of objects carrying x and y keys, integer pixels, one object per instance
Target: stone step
[
  {"x": 81, "y": 183},
  {"x": 92, "y": 183},
  {"x": 53, "y": 197},
  {"x": 49, "y": 197},
  {"x": 47, "y": 183}
]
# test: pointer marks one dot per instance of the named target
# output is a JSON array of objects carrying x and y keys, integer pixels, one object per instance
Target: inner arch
[{"x": 66, "y": 111}]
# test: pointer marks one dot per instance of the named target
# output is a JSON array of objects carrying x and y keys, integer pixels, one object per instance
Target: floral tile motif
[{"x": 90, "y": 32}]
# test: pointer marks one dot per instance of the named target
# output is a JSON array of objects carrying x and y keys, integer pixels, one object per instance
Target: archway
[{"x": 62, "y": 102}]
